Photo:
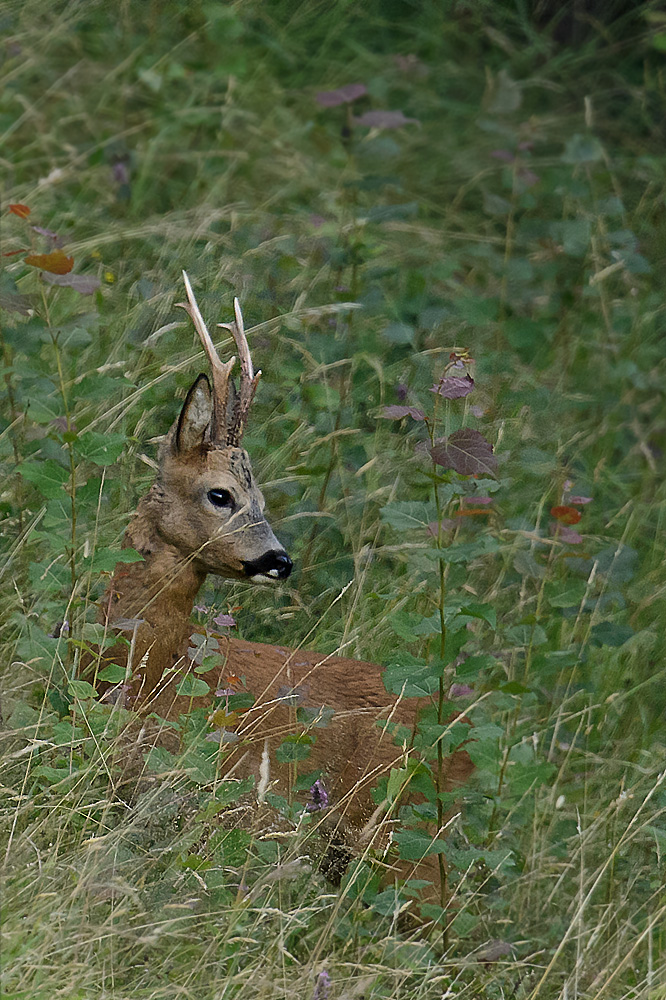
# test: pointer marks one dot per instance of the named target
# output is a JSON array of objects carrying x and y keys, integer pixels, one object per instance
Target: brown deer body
[{"x": 203, "y": 515}]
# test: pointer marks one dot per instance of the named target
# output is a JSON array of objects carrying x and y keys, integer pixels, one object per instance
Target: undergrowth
[{"x": 463, "y": 249}]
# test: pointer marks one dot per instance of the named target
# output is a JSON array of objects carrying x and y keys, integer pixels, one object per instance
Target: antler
[
  {"x": 248, "y": 382},
  {"x": 231, "y": 433}
]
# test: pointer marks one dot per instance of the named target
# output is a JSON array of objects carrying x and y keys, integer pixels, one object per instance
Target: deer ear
[{"x": 195, "y": 416}]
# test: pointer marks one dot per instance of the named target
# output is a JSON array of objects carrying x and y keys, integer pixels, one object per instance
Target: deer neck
[{"x": 160, "y": 591}]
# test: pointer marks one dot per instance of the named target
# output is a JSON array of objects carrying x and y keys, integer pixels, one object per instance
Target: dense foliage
[{"x": 446, "y": 230}]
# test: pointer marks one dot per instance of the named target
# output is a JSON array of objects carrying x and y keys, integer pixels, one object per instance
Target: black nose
[{"x": 276, "y": 565}]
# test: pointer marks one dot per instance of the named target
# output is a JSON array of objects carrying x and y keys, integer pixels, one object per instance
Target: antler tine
[
  {"x": 248, "y": 380},
  {"x": 220, "y": 370}
]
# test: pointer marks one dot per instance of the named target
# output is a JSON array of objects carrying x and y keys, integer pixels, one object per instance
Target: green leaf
[
  {"x": 193, "y": 687},
  {"x": 47, "y": 476},
  {"x": 106, "y": 560},
  {"x": 582, "y": 149},
  {"x": 483, "y": 611},
  {"x": 399, "y": 333},
  {"x": 570, "y": 597},
  {"x": 611, "y": 634},
  {"x": 526, "y": 635},
  {"x": 415, "y": 844},
  {"x": 404, "y": 515},
  {"x": 113, "y": 673},
  {"x": 159, "y": 759},
  {"x": 411, "y": 678},
  {"x": 294, "y": 748},
  {"x": 81, "y": 690},
  {"x": 100, "y": 448}
]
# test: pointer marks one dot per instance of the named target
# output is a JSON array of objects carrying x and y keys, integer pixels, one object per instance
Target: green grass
[{"x": 522, "y": 219}]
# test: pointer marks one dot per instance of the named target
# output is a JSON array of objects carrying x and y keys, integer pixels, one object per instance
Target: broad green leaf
[
  {"x": 415, "y": 844},
  {"x": 404, "y": 515},
  {"x": 582, "y": 149},
  {"x": 611, "y": 634},
  {"x": 100, "y": 448},
  {"x": 113, "y": 673},
  {"x": 48, "y": 477},
  {"x": 193, "y": 687},
  {"x": 81, "y": 689}
]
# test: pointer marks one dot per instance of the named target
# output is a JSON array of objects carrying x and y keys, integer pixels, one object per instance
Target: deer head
[{"x": 210, "y": 508}]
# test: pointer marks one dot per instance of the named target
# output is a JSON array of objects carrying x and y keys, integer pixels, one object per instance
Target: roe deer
[{"x": 205, "y": 514}]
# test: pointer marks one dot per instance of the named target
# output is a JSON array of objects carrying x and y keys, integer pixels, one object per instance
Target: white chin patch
[{"x": 269, "y": 577}]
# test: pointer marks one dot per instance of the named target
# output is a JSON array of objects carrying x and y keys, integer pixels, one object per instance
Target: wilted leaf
[
  {"x": 56, "y": 262},
  {"x": 493, "y": 951},
  {"x": 11, "y": 302},
  {"x": 507, "y": 95},
  {"x": 398, "y": 412},
  {"x": 467, "y": 452},
  {"x": 85, "y": 284},
  {"x": 471, "y": 512},
  {"x": 453, "y": 387},
  {"x": 505, "y": 155},
  {"x": 343, "y": 95},
  {"x": 21, "y": 210},
  {"x": 566, "y": 515},
  {"x": 385, "y": 119},
  {"x": 580, "y": 500}
]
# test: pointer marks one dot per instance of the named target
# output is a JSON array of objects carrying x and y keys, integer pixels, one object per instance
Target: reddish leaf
[
  {"x": 566, "y": 515},
  {"x": 385, "y": 119},
  {"x": 12, "y": 253},
  {"x": 21, "y": 210},
  {"x": 565, "y": 534},
  {"x": 580, "y": 500},
  {"x": 55, "y": 263},
  {"x": 85, "y": 284},
  {"x": 398, "y": 412},
  {"x": 467, "y": 452},
  {"x": 343, "y": 95},
  {"x": 453, "y": 387},
  {"x": 471, "y": 512},
  {"x": 503, "y": 154}
]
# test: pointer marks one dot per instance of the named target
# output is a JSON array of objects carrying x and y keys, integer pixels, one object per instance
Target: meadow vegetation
[{"x": 446, "y": 230}]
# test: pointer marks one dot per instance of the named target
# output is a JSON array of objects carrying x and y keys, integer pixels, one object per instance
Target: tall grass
[{"x": 521, "y": 218}]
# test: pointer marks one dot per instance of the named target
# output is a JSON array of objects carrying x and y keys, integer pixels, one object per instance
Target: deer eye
[{"x": 220, "y": 498}]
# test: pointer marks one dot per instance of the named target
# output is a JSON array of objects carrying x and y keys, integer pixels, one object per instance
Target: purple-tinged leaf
[
  {"x": 528, "y": 177},
  {"x": 565, "y": 534},
  {"x": 493, "y": 951},
  {"x": 385, "y": 119},
  {"x": 401, "y": 391},
  {"x": 460, "y": 691},
  {"x": 580, "y": 500},
  {"x": 398, "y": 412},
  {"x": 224, "y": 621},
  {"x": 453, "y": 387},
  {"x": 477, "y": 411},
  {"x": 58, "y": 241},
  {"x": 503, "y": 154},
  {"x": 343, "y": 95},
  {"x": 481, "y": 500},
  {"x": 467, "y": 452},
  {"x": 447, "y": 524},
  {"x": 317, "y": 220},
  {"x": 84, "y": 284}
]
